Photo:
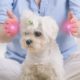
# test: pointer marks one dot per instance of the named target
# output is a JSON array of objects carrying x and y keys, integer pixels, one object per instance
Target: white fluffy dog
[{"x": 44, "y": 60}]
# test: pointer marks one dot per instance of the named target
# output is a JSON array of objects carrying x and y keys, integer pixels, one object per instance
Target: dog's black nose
[{"x": 28, "y": 42}]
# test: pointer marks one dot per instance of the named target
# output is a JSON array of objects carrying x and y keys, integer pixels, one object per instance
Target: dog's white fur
[{"x": 44, "y": 60}]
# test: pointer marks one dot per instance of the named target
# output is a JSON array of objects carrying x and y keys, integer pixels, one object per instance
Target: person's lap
[
  {"x": 72, "y": 67},
  {"x": 9, "y": 69}
]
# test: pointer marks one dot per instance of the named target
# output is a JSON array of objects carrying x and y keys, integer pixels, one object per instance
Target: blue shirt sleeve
[
  {"x": 74, "y": 5},
  {"x": 19, "y": 7},
  {"x": 4, "y": 6}
]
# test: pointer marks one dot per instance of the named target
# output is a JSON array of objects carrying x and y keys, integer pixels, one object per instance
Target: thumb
[
  {"x": 10, "y": 14},
  {"x": 71, "y": 15}
]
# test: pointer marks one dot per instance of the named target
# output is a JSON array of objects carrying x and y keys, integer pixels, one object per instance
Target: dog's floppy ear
[{"x": 50, "y": 27}]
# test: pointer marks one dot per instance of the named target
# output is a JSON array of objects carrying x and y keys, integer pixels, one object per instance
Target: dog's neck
[
  {"x": 39, "y": 57},
  {"x": 43, "y": 57}
]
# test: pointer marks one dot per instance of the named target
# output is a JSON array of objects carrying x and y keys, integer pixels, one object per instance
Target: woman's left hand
[{"x": 75, "y": 25}]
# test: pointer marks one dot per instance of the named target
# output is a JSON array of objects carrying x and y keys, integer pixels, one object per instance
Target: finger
[
  {"x": 74, "y": 34},
  {"x": 10, "y": 14},
  {"x": 71, "y": 15},
  {"x": 73, "y": 30},
  {"x": 10, "y": 21},
  {"x": 6, "y": 30},
  {"x": 73, "y": 20},
  {"x": 74, "y": 25}
]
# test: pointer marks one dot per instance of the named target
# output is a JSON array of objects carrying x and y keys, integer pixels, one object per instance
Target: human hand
[
  {"x": 4, "y": 28},
  {"x": 11, "y": 25},
  {"x": 75, "y": 24}
]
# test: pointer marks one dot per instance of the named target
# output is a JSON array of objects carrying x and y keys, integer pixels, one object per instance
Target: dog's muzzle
[{"x": 28, "y": 42}]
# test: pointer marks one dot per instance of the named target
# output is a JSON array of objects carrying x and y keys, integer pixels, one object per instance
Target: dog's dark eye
[{"x": 37, "y": 34}]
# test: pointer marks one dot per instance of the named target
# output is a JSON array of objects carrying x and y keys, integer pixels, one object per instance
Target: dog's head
[{"x": 37, "y": 32}]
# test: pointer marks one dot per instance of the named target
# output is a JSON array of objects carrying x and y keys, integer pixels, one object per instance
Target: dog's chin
[{"x": 33, "y": 50}]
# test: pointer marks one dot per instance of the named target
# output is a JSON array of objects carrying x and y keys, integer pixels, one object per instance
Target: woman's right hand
[
  {"x": 4, "y": 28},
  {"x": 11, "y": 26}
]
